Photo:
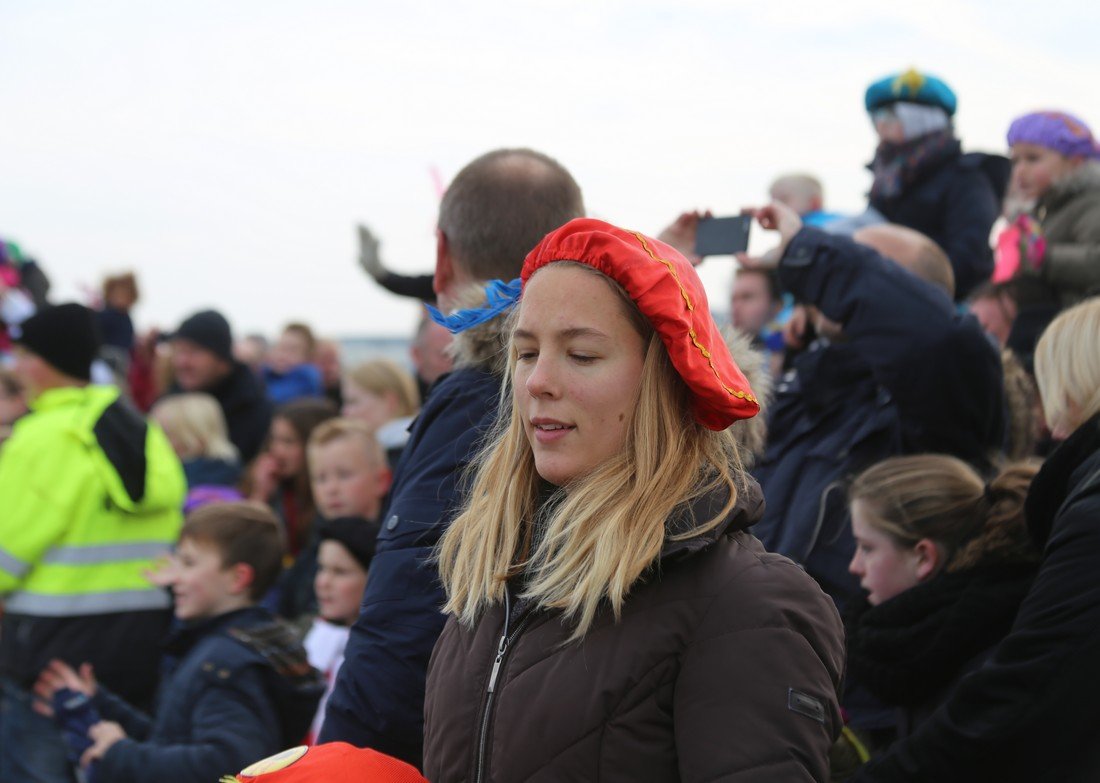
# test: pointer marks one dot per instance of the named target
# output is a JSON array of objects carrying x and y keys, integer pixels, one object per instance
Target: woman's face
[
  {"x": 578, "y": 368},
  {"x": 884, "y": 568},
  {"x": 372, "y": 409},
  {"x": 339, "y": 583},
  {"x": 287, "y": 449}
]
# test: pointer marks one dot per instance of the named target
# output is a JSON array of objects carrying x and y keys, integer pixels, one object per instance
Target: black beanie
[
  {"x": 66, "y": 336},
  {"x": 208, "y": 329},
  {"x": 355, "y": 533}
]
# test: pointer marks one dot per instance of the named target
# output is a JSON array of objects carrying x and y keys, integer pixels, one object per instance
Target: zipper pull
[{"x": 496, "y": 662}]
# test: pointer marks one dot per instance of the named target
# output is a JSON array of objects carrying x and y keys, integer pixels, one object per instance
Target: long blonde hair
[{"x": 603, "y": 531}]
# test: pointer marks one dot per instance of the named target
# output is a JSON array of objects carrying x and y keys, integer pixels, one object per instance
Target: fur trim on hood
[
  {"x": 1086, "y": 178},
  {"x": 484, "y": 346},
  {"x": 751, "y": 434}
]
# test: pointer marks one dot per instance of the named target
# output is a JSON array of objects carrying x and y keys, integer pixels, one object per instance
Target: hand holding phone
[{"x": 724, "y": 236}]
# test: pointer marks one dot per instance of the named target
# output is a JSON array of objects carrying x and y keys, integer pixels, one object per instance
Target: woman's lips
[{"x": 550, "y": 430}]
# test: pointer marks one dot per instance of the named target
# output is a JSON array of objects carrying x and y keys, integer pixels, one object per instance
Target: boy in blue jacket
[{"x": 237, "y": 684}]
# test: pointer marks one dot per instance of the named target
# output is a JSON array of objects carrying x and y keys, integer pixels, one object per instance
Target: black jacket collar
[{"x": 1066, "y": 467}]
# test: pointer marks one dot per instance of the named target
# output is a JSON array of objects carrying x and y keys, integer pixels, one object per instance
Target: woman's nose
[{"x": 542, "y": 381}]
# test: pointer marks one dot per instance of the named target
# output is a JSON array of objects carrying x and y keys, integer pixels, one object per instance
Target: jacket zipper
[{"x": 503, "y": 646}]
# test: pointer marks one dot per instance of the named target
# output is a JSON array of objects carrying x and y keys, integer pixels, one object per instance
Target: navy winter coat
[
  {"x": 956, "y": 203},
  {"x": 910, "y": 376},
  {"x": 1029, "y": 714},
  {"x": 378, "y": 700},
  {"x": 222, "y": 706}
]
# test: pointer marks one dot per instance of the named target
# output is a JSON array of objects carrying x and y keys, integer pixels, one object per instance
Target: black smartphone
[{"x": 722, "y": 236}]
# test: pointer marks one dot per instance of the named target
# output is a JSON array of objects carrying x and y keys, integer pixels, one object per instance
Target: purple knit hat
[{"x": 1055, "y": 130}]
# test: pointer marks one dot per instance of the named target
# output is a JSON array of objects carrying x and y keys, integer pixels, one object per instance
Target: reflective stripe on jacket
[{"x": 90, "y": 496}]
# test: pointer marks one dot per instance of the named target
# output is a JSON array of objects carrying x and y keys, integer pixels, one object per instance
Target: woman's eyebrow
[{"x": 576, "y": 331}]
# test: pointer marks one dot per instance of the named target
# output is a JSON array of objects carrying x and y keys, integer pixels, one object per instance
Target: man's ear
[
  {"x": 444, "y": 264},
  {"x": 928, "y": 557},
  {"x": 243, "y": 577}
]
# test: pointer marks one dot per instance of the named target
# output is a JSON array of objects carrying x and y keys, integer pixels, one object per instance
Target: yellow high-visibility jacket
[{"x": 90, "y": 495}]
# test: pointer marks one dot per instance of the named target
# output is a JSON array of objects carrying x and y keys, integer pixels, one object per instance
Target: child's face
[
  {"x": 346, "y": 481},
  {"x": 884, "y": 568},
  {"x": 372, "y": 409},
  {"x": 1035, "y": 169},
  {"x": 287, "y": 449},
  {"x": 339, "y": 584},
  {"x": 290, "y": 350},
  {"x": 203, "y": 586}
]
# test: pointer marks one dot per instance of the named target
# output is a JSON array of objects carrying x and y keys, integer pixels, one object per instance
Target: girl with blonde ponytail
[{"x": 609, "y": 615}]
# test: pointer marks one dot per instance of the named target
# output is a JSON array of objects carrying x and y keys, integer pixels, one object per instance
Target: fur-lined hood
[
  {"x": 485, "y": 346},
  {"x": 751, "y": 434}
]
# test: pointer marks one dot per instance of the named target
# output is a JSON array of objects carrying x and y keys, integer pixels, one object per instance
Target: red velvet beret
[
  {"x": 333, "y": 762},
  {"x": 669, "y": 293}
]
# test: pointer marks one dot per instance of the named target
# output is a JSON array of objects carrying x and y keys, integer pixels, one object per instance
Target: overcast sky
[{"x": 224, "y": 150}]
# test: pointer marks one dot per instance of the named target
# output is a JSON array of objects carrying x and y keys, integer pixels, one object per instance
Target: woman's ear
[{"x": 928, "y": 559}]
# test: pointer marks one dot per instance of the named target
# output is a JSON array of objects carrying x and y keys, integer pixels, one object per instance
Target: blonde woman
[
  {"x": 610, "y": 617},
  {"x": 196, "y": 428},
  {"x": 1029, "y": 713},
  {"x": 383, "y": 395}
]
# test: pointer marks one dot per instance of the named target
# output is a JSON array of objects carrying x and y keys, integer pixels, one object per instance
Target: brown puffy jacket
[{"x": 725, "y": 665}]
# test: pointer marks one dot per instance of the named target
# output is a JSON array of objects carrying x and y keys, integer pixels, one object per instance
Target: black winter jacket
[
  {"x": 955, "y": 202},
  {"x": 1030, "y": 713},
  {"x": 911, "y": 376},
  {"x": 246, "y": 408},
  {"x": 223, "y": 704}
]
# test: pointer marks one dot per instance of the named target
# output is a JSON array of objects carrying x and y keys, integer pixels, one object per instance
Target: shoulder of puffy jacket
[{"x": 764, "y": 589}]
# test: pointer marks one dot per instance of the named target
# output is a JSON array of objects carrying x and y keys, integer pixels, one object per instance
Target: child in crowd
[
  {"x": 347, "y": 470},
  {"x": 13, "y": 402},
  {"x": 196, "y": 428},
  {"x": 343, "y": 561},
  {"x": 120, "y": 294},
  {"x": 349, "y": 479},
  {"x": 237, "y": 684},
  {"x": 946, "y": 560},
  {"x": 289, "y": 373},
  {"x": 1055, "y": 166},
  {"x": 279, "y": 476},
  {"x": 381, "y": 394}
]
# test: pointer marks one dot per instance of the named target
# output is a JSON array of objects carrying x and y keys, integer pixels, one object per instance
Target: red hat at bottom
[{"x": 333, "y": 762}]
